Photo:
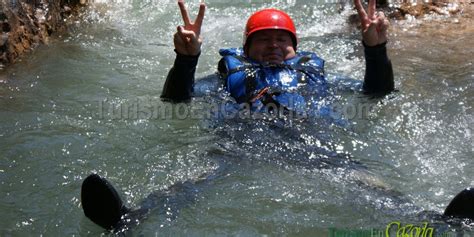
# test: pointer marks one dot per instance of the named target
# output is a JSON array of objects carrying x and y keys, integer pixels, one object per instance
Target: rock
[
  {"x": 417, "y": 10},
  {"x": 2, "y": 16},
  {"x": 3, "y": 58},
  {"x": 67, "y": 10},
  {"x": 25, "y": 23},
  {"x": 36, "y": 39},
  {"x": 3, "y": 39},
  {"x": 19, "y": 48},
  {"x": 421, "y": 9},
  {"x": 5, "y": 26}
]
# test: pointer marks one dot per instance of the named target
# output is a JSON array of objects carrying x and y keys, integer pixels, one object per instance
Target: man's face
[{"x": 271, "y": 46}]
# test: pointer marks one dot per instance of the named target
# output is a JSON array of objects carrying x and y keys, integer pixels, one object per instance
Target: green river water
[{"x": 60, "y": 121}]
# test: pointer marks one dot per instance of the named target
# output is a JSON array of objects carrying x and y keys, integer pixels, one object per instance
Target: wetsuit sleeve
[
  {"x": 378, "y": 70},
  {"x": 180, "y": 80},
  {"x": 222, "y": 69}
]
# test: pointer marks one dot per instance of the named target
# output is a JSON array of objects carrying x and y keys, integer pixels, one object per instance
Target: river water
[{"x": 70, "y": 109}]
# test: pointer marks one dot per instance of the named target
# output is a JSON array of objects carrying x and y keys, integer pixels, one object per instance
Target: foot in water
[
  {"x": 462, "y": 205},
  {"x": 101, "y": 202},
  {"x": 103, "y": 206}
]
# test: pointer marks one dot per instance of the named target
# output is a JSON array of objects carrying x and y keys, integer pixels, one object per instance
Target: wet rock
[
  {"x": 421, "y": 9},
  {"x": 5, "y": 27},
  {"x": 3, "y": 39},
  {"x": 25, "y": 24},
  {"x": 414, "y": 9},
  {"x": 67, "y": 10}
]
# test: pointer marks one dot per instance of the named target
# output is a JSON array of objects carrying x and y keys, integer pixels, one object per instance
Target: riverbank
[
  {"x": 403, "y": 10},
  {"x": 26, "y": 24}
]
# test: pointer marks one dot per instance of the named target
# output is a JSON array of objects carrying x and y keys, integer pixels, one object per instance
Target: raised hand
[
  {"x": 187, "y": 39},
  {"x": 374, "y": 24}
]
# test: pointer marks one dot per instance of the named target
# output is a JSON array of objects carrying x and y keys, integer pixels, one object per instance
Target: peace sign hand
[
  {"x": 374, "y": 24},
  {"x": 187, "y": 39}
]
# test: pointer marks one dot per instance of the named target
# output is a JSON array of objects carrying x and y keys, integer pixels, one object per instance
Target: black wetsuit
[{"x": 378, "y": 75}]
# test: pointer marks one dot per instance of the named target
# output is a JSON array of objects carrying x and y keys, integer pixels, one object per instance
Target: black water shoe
[
  {"x": 101, "y": 202},
  {"x": 462, "y": 205}
]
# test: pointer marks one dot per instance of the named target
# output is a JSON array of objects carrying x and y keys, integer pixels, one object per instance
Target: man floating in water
[{"x": 263, "y": 75}]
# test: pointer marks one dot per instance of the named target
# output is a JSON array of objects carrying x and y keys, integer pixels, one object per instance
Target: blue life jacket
[{"x": 260, "y": 84}]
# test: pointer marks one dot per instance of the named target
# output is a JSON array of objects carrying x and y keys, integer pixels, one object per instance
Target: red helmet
[{"x": 267, "y": 19}]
